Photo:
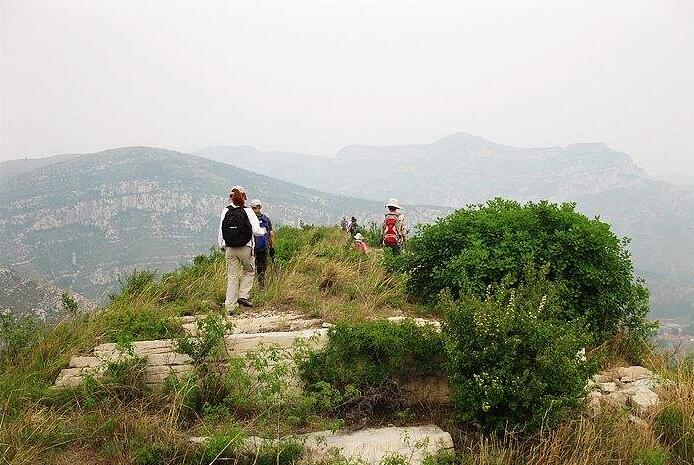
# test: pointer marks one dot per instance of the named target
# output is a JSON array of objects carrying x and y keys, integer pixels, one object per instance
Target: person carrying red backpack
[{"x": 393, "y": 232}]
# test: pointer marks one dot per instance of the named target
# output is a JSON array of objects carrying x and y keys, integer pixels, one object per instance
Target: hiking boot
[{"x": 244, "y": 302}]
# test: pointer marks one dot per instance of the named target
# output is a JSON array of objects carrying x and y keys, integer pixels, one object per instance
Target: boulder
[
  {"x": 643, "y": 400},
  {"x": 372, "y": 445}
]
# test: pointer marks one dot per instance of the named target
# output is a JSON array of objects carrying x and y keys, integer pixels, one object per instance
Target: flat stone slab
[
  {"x": 238, "y": 345},
  {"x": 140, "y": 348},
  {"x": 414, "y": 443},
  {"x": 372, "y": 445},
  {"x": 258, "y": 322}
]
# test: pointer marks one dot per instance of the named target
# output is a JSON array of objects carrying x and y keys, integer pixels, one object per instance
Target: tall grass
[
  {"x": 316, "y": 272},
  {"x": 326, "y": 277}
]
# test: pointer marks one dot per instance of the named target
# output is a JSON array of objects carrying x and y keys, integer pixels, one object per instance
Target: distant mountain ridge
[
  {"x": 453, "y": 171},
  {"x": 84, "y": 222},
  {"x": 463, "y": 169}
]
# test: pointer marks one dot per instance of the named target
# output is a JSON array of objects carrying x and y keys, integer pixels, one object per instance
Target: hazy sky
[{"x": 312, "y": 76}]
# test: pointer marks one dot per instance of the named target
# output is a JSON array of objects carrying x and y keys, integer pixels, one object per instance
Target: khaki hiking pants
[{"x": 240, "y": 274}]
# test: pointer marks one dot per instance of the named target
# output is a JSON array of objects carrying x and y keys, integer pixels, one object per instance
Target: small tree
[
  {"x": 481, "y": 245},
  {"x": 69, "y": 304}
]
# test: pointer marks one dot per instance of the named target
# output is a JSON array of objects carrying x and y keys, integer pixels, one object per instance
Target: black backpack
[{"x": 236, "y": 227}]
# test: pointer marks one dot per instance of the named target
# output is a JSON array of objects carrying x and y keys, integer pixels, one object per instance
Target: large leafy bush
[
  {"x": 481, "y": 245},
  {"x": 370, "y": 360},
  {"x": 512, "y": 363}
]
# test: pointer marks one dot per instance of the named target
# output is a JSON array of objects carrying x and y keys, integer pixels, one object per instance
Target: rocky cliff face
[
  {"x": 85, "y": 222},
  {"x": 25, "y": 295}
]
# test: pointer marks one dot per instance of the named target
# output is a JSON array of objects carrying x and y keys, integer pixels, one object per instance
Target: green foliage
[
  {"x": 290, "y": 241},
  {"x": 121, "y": 381},
  {"x": 485, "y": 244},
  {"x": 651, "y": 457},
  {"x": 394, "y": 458},
  {"x": 229, "y": 444},
  {"x": 225, "y": 444},
  {"x": 677, "y": 430},
  {"x": 512, "y": 362},
  {"x": 208, "y": 341},
  {"x": 372, "y": 234},
  {"x": 335, "y": 458},
  {"x": 442, "y": 457},
  {"x": 371, "y": 358},
  {"x": 18, "y": 334},
  {"x": 136, "y": 283},
  {"x": 69, "y": 304},
  {"x": 140, "y": 324}
]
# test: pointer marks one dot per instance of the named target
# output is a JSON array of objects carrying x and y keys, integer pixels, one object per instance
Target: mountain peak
[{"x": 464, "y": 138}]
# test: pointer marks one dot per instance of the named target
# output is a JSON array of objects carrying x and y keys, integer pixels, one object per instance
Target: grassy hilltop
[{"x": 353, "y": 382}]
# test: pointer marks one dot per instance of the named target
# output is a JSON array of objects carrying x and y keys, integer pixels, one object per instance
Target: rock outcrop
[{"x": 625, "y": 387}]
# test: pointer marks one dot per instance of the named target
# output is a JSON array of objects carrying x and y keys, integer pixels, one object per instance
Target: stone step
[{"x": 161, "y": 358}]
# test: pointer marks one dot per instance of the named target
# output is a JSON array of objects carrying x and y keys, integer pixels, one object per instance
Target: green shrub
[
  {"x": 677, "y": 430},
  {"x": 225, "y": 444},
  {"x": 136, "y": 283},
  {"x": 651, "y": 457},
  {"x": 125, "y": 379},
  {"x": 371, "y": 359},
  {"x": 208, "y": 341},
  {"x": 481, "y": 245},
  {"x": 69, "y": 304},
  {"x": 229, "y": 444},
  {"x": 18, "y": 334},
  {"x": 140, "y": 324},
  {"x": 285, "y": 452},
  {"x": 372, "y": 234},
  {"x": 512, "y": 364}
]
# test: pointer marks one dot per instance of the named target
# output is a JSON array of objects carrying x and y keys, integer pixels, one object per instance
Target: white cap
[
  {"x": 358, "y": 237},
  {"x": 256, "y": 203},
  {"x": 393, "y": 203},
  {"x": 238, "y": 188}
]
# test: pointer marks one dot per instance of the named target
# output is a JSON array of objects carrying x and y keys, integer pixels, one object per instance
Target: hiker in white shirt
[{"x": 238, "y": 254}]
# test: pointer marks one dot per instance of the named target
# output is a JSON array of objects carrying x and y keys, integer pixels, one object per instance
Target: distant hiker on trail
[
  {"x": 359, "y": 243},
  {"x": 343, "y": 223},
  {"x": 393, "y": 233},
  {"x": 352, "y": 228},
  {"x": 237, "y": 226},
  {"x": 265, "y": 244}
]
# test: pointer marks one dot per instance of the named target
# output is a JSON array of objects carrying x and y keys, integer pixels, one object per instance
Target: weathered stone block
[
  {"x": 82, "y": 362},
  {"x": 607, "y": 387},
  {"x": 634, "y": 372},
  {"x": 643, "y": 400},
  {"x": 155, "y": 375},
  {"x": 168, "y": 358}
]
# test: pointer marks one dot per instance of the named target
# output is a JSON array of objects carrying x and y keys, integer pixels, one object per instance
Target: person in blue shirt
[{"x": 264, "y": 245}]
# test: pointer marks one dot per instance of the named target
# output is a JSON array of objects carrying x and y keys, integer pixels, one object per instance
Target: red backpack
[{"x": 390, "y": 234}]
